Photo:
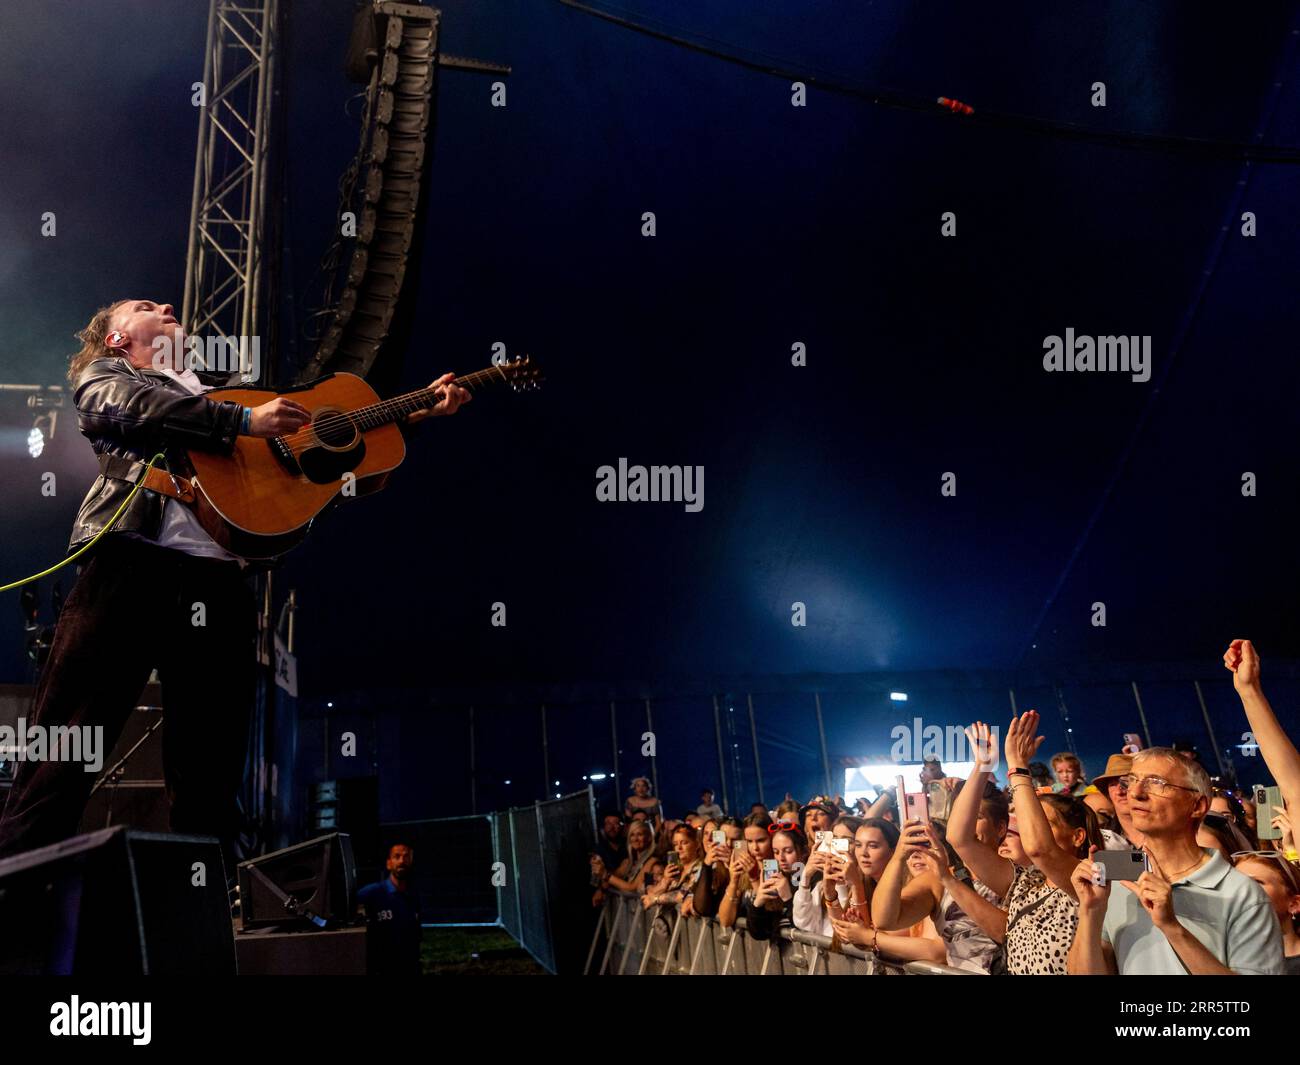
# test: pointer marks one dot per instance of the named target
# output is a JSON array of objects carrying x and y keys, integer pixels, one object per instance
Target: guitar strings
[{"x": 309, "y": 435}]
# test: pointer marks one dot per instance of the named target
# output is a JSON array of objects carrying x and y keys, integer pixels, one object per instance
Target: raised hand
[
  {"x": 816, "y": 860},
  {"x": 1021, "y": 743},
  {"x": 981, "y": 743},
  {"x": 913, "y": 839},
  {"x": 1242, "y": 659}
]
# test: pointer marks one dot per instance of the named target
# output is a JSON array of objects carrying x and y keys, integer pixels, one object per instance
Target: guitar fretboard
[{"x": 389, "y": 410}]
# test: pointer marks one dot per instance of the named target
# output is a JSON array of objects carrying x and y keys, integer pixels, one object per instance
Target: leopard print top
[{"x": 1038, "y": 939}]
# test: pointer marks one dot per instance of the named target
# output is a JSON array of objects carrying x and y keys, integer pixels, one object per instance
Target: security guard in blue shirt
[{"x": 393, "y": 918}]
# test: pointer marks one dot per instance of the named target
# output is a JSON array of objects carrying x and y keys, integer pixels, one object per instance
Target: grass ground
[{"x": 475, "y": 952}]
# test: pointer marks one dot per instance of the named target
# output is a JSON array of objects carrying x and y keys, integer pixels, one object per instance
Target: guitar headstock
[{"x": 522, "y": 374}]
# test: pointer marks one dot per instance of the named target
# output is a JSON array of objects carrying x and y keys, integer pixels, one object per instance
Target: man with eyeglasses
[{"x": 1190, "y": 912}]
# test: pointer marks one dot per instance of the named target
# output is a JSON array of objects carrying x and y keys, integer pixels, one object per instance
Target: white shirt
[
  {"x": 810, "y": 915},
  {"x": 180, "y": 528}
]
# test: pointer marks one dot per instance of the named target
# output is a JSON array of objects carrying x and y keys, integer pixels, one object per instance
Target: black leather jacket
[{"x": 135, "y": 413}]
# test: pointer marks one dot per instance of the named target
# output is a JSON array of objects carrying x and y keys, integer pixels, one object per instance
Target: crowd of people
[{"x": 1149, "y": 868}]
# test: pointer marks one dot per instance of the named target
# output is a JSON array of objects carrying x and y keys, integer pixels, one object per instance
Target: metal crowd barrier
[{"x": 661, "y": 942}]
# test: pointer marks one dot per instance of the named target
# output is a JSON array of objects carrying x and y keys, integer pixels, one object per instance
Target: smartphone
[
  {"x": 918, "y": 807},
  {"x": 719, "y": 837},
  {"x": 1132, "y": 739},
  {"x": 912, "y": 806},
  {"x": 737, "y": 844},
  {"x": 1265, "y": 799},
  {"x": 840, "y": 845},
  {"x": 770, "y": 868},
  {"x": 937, "y": 795},
  {"x": 1109, "y": 866}
]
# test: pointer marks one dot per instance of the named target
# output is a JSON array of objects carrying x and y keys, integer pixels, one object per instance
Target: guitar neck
[{"x": 391, "y": 410}]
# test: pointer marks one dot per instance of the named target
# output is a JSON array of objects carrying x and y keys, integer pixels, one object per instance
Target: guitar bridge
[{"x": 284, "y": 456}]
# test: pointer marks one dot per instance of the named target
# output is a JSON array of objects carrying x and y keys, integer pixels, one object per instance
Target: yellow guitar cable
[{"x": 86, "y": 547}]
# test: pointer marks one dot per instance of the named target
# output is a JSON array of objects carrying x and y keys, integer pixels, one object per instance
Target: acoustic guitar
[{"x": 260, "y": 501}]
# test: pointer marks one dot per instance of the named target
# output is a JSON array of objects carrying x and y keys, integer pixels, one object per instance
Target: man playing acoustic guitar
[{"x": 157, "y": 590}]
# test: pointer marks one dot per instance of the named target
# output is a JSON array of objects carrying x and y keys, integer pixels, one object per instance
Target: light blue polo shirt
[{"x": 1226, "y": 910}]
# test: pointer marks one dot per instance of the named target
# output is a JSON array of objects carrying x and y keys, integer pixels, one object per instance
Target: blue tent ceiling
[{"x": 775, "y": 225}]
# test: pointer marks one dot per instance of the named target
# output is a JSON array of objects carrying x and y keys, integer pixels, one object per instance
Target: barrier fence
[
  {"x": 629, "y": 939},
  {"x": 525, "y": 870}
]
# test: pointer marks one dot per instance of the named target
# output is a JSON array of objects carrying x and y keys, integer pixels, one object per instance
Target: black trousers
[{"x": 136, "y": 607}]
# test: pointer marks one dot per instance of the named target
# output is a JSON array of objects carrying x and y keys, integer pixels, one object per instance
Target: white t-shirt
[{"x": 180, "y": 529}]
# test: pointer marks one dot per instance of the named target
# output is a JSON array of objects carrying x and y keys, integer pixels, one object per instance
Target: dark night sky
[{"x": 775, "y": 225}]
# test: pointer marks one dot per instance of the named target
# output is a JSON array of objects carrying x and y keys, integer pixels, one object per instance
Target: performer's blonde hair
[{"x": 92, "y": 339}]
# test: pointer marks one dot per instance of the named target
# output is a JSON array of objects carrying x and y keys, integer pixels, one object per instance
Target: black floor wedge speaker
[{"x": 118, "y": 902}]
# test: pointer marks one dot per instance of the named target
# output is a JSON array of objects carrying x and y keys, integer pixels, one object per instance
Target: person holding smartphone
[
  {"x": 833, "y": 851},
  {"x": 684, "y": 867},
  {"x": 1190, "y": 912},
  {"x": 770, "y": 907},
  {"x": 960, "y": 908},
  {"x": 631, "y": 871},
  {"x": 874, "y": 842},
  {"x": 745, "y": 868},
  {"x": 718, "y": 848}
]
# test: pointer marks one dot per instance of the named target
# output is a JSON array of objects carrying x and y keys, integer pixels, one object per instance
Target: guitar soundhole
[{"x": 333, "y": 428}]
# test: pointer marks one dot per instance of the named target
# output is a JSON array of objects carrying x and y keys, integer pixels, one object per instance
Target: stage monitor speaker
[
  {"x": 138, "y": 804},
  {"x": 336, "y": 953},
  {"x": 118, "y": 902},
  {"x": 311, "y": 883}
]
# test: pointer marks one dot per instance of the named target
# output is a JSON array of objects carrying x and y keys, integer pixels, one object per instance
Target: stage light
[
  {"x": 36, "y": 440},
  {"x": 329, "y": 705},
  {"x": 898, "y": 697},
  {"x": 599, "y": 776}
]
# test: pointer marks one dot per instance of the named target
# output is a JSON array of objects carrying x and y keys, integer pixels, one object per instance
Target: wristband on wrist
[
  {"x": 1020, "y": 773},
  {"x": 247, "y": 425}
]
